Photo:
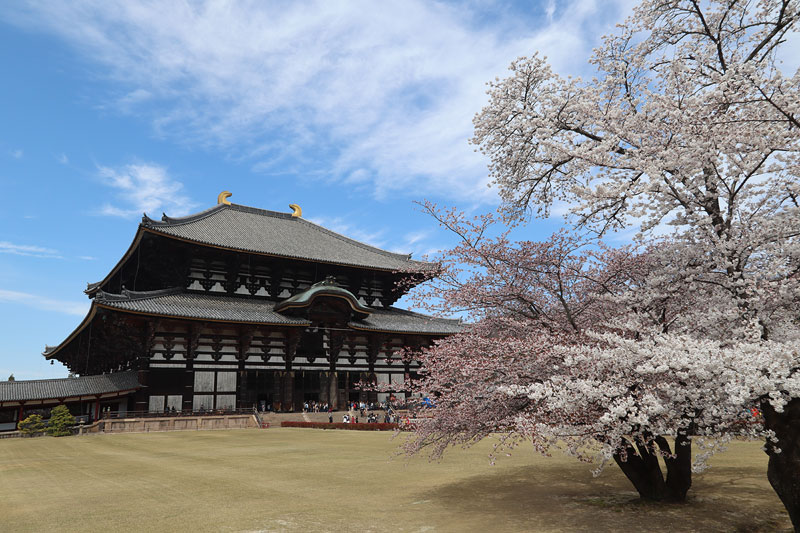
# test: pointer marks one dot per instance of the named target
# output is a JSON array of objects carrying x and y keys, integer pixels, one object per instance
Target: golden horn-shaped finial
[
  {"x": 296, "y": 210},
  {"x": 223, "y": 197}
]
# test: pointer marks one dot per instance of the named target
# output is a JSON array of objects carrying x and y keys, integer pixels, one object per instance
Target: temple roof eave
[
  {"x": 251, "y": 230},
  {"x": 92, "y": 288},
  {"x": 106, "y": 303},
  {"x": 63, "y": 388},
  {"x": 178, "y": 304},
  {"x": 248, "y": 229},
  {"x": 51, "y": 351}
]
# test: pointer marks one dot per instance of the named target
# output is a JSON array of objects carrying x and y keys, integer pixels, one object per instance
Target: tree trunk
[
  {"x": 679, "y": 467},
  {"x": 783, "y": 470},
  {"x": 642, "y": 469}
]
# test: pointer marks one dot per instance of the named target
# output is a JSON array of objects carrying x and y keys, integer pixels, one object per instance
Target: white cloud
[
  {"x": 45, "y": 304},
  {"x": 28, "y": 250},
  {"x": 144, "y": 188},
  {"x": 377, "y": 94},
  {"x": 16, "y": 154},
  {"x": 63, "y": 159}
]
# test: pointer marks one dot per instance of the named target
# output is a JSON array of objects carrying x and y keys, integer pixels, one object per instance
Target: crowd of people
[
  {"x": 315, "y": 407},
  {"x": 370, "y": 418},
  {"x": 385, "y": 412}
]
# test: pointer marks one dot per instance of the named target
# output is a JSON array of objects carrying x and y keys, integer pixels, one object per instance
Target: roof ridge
[
  {"x": 127, "y": 295},
  {"x": 178, "y": 221},
  {"x": 264, "y": 212}
]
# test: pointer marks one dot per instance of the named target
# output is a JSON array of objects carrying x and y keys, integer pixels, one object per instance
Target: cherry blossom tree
[
  {"x": 690, "y": 129},
  {"x": 691, "y": 123},
  {"x": 549, "y": 357}
]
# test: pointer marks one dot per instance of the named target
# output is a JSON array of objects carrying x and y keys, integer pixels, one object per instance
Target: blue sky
[{"x": 353, "y": 110}]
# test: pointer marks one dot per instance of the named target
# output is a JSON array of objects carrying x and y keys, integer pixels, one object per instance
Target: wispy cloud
[
  {"x": 417, "y": 236},
  {"x": 354, "y": 91},
  {"x": 143, "y": 188},
  {"x": 63, "y": 159},
  {"x": 550, "y": 9},
  {"x": 45, "y": 304},
  {"x": 28, "y": 250},
  {"x": 340, "y": 226},
  {"x": 17, "y": 153}
]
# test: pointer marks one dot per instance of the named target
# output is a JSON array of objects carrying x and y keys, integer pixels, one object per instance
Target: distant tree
[
  {"x": 60, "y": 422},
  {"x": 11, "y": 378},
  {"x": 31, "y": 425}
]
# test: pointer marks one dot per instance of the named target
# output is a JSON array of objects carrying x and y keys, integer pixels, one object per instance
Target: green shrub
[
  {"x": 31, "y": 425},
  {"x": 60, "y": 422}
]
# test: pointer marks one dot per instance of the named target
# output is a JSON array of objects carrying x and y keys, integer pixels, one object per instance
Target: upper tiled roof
[
  {"x": 45, "y": 389},
  {"x": 175, "y": 303},
  {"x": 280, "y": 234}
]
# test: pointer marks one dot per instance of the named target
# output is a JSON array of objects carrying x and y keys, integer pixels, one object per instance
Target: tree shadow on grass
[{"x": 568, "y": 498}]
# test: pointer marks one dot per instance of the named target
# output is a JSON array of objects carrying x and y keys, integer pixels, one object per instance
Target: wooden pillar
[
  {"x": 372, "y": 395},
  {"x": 245, "y": 340},
  {"x": 374, "y": 346},
  {"x": 291, "y": 341},
  {"x": 96, "y": 408},
  {"x": 276, "y": 274},
  {"x": 335, "y": 344},
  {"x": 333, "y": 390},
  {"x": 277, "y": 394},
  {"x": 287, "y": 391},
  {"x": 141, "y": 398},
  {"x": 232, "y": 267},
  {"x": 192, "y": 343}
]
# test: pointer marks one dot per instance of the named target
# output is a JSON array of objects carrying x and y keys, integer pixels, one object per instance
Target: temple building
[{"x": 237, "y": 307}]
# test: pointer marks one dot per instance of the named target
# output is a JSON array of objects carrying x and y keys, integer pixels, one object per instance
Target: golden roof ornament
[
  {"x": 297, "y": 212},
  {"x": 223, "y": 197}
]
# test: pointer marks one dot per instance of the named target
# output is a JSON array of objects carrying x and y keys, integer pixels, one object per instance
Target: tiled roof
[
  {"x": 205, "y": 306},
  {"x": 175, "y": 303},
  {"x": 279, "y": 234},
  {"x": 45, "y": 389},
  {"x": 397, "y": 320}
]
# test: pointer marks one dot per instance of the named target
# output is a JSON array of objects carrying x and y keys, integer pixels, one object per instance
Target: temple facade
[{"x": 237, "y": 307}]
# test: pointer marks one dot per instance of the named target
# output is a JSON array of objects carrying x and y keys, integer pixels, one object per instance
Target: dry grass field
[{"x": 300, "y": 480}]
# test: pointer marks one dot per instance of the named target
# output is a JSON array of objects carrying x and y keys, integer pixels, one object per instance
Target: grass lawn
[{"x": 313, "y": 480}]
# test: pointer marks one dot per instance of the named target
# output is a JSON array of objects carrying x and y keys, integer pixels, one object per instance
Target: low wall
[{"x": 177, "y": 423}]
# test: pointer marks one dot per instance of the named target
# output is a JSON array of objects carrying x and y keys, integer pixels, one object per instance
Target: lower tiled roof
[
  {"x": 209, "y": 306},
  {"x": 203, "y": 306},
  {"x": 392, "y": 319},
  {"x": 46, "y": 389}
]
